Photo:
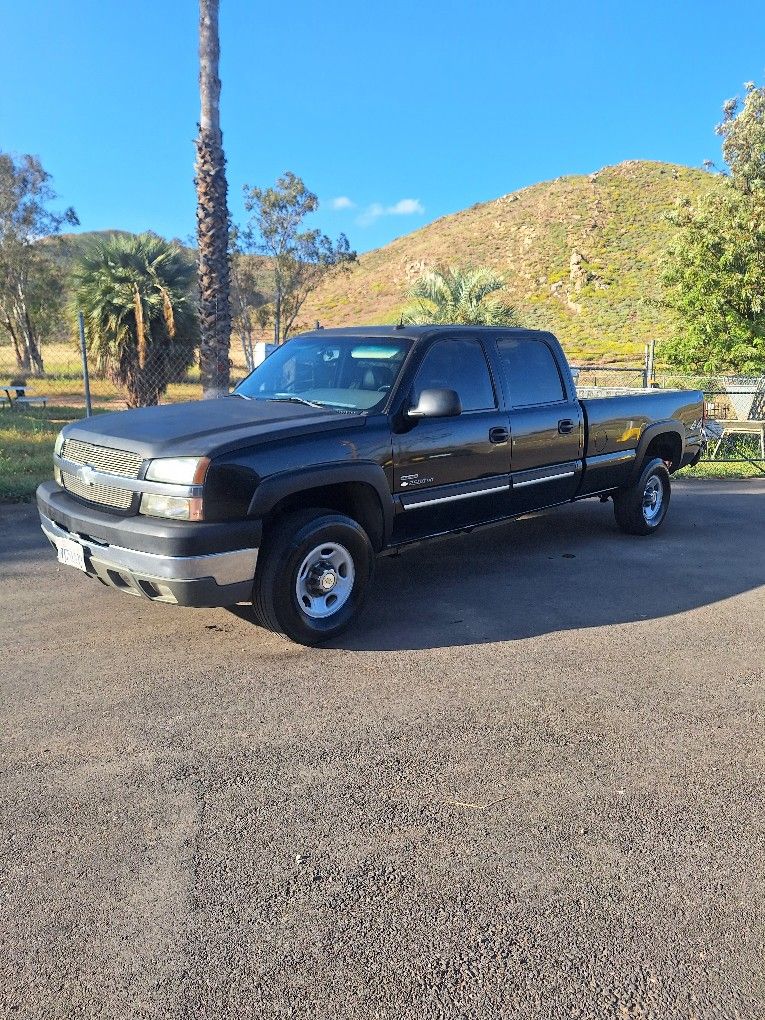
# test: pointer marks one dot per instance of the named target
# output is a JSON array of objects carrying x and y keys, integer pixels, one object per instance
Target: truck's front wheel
[
  {"x": 641, "y": 509},
  {"x": 312, "y": 575}
]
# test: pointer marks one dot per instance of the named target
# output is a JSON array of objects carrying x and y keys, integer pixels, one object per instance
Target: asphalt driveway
[{"x": 528, "y": 785}]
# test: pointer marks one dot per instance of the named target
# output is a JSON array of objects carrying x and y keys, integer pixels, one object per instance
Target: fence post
[
  {"x": 650, "y": 351},
  {"x": 85, "y": 376}
]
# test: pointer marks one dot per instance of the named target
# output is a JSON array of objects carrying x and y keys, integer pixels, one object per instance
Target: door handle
[
  {"x": 565, "y": 426},
  {"x": 499, "y": 435}
]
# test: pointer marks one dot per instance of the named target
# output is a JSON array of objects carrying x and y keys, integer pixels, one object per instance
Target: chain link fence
[
  {"x": 165, "y": 378},
  {"x": 734, "y": 405}
]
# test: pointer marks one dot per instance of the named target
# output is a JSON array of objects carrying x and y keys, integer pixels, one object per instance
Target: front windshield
[{"x": 340, "y": 373}]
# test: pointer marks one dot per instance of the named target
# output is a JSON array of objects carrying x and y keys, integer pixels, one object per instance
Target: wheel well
[
  {"x": 354, "y": 499},
  {"x": 668, "y": 446}
]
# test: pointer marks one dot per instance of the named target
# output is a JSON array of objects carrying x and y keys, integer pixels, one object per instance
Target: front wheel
[
  {"x": 312, "y": 575},
  {"x": 641, "y": 509}
]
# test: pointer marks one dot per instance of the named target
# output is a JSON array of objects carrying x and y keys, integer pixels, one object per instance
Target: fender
[
  {"x": 274, "y": 488},
  {"x": 659, "y": 428}
]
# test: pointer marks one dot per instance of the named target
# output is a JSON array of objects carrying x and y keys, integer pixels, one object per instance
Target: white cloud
[
  {"x": 404, "y": 207},
  {"x": 342, "y": 202},
  {"x": 371, "y": 213}
]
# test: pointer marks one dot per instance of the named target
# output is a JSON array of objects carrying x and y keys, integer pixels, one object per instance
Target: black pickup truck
[{"x": 343, "y": 444}]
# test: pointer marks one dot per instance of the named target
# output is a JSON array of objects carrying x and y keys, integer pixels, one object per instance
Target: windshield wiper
[{"x": 291, "y": 399}]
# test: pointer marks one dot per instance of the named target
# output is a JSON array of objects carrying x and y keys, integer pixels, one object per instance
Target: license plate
[{"x": 71, "y": 553}]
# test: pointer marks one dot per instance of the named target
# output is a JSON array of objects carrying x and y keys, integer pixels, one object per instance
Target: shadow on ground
[{"x": 564, "y": 569}]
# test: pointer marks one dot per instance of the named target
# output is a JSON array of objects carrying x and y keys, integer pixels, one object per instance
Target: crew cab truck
[{"x": 344, "y": 444}]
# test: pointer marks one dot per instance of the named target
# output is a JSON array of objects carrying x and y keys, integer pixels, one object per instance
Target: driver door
[{"x": 452, "y": 472}]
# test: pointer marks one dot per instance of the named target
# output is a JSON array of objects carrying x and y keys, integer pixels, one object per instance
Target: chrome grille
[
  {"x": 102, "y": 458},
  {"x": 106, "y": 495}
]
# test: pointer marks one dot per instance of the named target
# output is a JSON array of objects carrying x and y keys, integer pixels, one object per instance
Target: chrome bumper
[{"x": 216, "y": 579}]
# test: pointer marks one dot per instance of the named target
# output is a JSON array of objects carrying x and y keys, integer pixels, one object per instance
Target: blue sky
[{"x": 394, "y": 113}]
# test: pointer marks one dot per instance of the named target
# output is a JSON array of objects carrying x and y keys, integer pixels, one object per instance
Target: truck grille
[
  {"x": 102, "y": 458},
  {"x": 106, "y": 495},
  {"x": 121, "y": 463}
]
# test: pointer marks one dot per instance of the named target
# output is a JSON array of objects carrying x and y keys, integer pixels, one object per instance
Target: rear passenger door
[
  {"x": 452, "y": 472},
  {"x": 545, "y": 424}
]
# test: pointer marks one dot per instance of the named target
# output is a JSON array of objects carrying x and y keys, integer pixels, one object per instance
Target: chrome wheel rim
[
  {"x": 325, "y": 580},
  {"x": 653, "y": 499}
]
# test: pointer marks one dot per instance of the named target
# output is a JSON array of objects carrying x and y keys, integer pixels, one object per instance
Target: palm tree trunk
[{"x": 212, "y": 214}]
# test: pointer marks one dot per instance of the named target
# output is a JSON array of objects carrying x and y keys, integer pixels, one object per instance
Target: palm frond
[{"x": 448, "y": 294}]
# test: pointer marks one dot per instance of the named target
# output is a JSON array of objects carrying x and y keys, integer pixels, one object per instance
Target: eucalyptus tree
[
  {"x": 297, "y": 258},
  {"x": 30, "y": 277}
]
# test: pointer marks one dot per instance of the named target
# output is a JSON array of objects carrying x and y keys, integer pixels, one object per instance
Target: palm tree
[
  {"x": 212, "y": 214},
  {"x": 453, "y": 295},
  {"x": 136, "y": 294}
]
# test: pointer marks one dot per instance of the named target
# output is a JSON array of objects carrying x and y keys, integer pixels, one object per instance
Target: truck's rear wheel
[
  {"x": 312, "y": 575},
  {"x": 641, "y": 509}
]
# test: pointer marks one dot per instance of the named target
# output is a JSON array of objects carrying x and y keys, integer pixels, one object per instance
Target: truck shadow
[{"x": 565, "y": 569}]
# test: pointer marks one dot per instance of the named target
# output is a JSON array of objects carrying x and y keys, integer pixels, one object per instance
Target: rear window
[{"x": 530, "y": 371}]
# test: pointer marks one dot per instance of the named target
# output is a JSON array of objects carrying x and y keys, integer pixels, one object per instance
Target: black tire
[
  {"x": 642, "y": 508},
  {"x": 286, "y": 547}
]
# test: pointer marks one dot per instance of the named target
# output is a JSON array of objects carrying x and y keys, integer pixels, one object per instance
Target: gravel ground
[{"x": 528, "y": 785}]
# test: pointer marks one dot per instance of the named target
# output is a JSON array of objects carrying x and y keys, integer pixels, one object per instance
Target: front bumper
[{"x": 205, "y": 575}]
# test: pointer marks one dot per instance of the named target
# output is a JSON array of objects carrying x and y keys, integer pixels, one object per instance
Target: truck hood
[{"x": 203, "y": 428}]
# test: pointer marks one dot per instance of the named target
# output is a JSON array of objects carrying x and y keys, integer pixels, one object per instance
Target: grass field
[{"x": 26, "y": 448}]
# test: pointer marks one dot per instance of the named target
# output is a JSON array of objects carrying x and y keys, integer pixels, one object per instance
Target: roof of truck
[{"x": 412, "y": 332}]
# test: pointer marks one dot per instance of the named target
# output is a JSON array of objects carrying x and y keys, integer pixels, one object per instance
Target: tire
[
  {"x": 642, "y": 508},
  {"x": 312, "y": 576}
]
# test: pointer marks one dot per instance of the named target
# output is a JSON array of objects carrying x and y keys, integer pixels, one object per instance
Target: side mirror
[{"x": 436, "y": 404}]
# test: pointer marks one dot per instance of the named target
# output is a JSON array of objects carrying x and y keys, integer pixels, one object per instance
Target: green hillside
[{"x": 582, "y": 256}]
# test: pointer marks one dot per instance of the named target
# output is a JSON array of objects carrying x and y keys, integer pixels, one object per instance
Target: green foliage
[
  {"x": 299, "y": 258},
  {"x": 459, "y": 296},
  {"x": 715, "y": 272},
  {"x": 136, "y": 293},
  {"x": 714, "y": 279}
]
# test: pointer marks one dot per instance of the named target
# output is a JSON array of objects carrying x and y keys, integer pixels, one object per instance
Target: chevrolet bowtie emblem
[{"x": 88, "y": 474}]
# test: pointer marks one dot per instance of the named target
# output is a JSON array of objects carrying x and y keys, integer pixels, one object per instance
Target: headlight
[
  {"x": 59, "y": 443},
  {"x": 179, "y": 508},
  {"x": 178, "y": 470}
]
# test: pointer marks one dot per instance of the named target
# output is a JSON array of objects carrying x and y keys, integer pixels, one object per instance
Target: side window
[
  {"x": 531, "y": 372},
  {"x": 457, "y": 365}
]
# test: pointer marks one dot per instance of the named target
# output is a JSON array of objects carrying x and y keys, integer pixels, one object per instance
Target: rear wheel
[
  {"x": 312, "y": 575},
  {"x": 641, "y": 509}
]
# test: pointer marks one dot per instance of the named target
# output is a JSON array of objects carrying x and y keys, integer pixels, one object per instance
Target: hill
[{"x": 582, "y": 256}]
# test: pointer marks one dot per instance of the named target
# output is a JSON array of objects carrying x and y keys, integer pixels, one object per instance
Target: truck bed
[{"x": 614, "y": 425}]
